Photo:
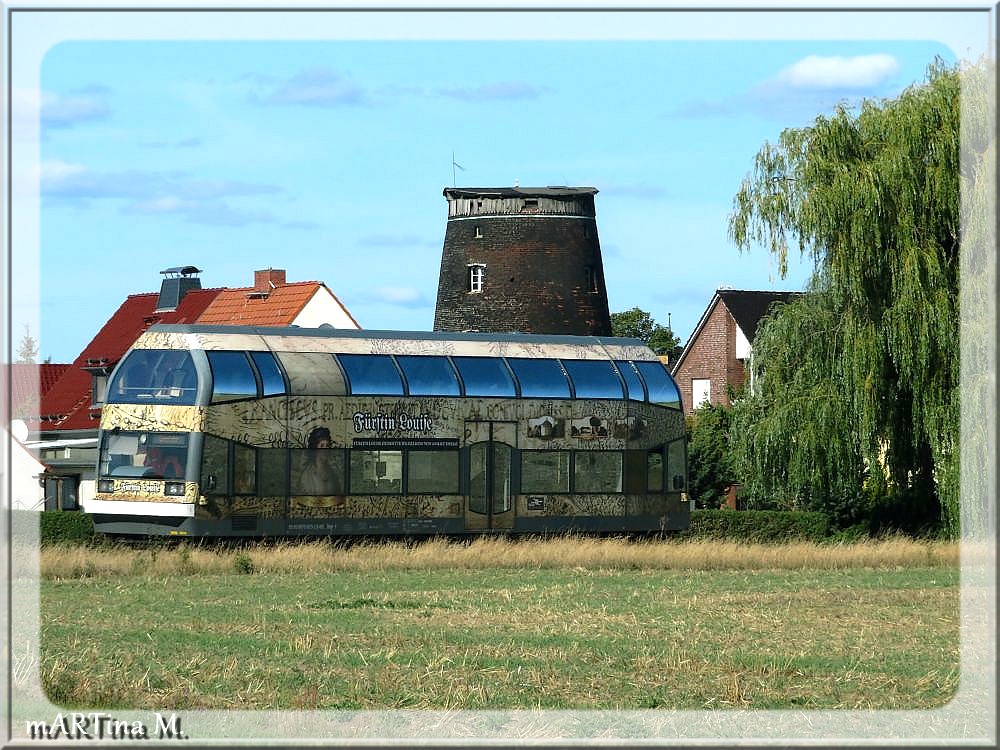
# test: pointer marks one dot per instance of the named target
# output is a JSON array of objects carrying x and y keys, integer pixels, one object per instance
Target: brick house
[
  {"x": 64, "y": 430},
  {"x": 716, "y": 355}
]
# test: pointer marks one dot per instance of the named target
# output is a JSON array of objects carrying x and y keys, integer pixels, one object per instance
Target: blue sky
[{"x": 326, "y": 155}]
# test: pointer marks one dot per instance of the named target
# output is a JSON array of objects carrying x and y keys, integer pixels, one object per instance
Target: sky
[{"x": 321, "y": 143}]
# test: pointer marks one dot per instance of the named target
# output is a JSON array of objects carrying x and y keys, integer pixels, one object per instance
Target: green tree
[
  {"x": 639, "y": 324},
  {"x": 27, "y": 353},
  {"x": 872, "y": 196},
  {"x": 710, "y": 468}
]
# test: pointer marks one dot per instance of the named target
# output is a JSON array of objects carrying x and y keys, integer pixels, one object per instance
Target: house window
[
  {"x": 479, "y": 232},
  {"x": 701, "y": 392},
  {"x": 477, "y": 275},
  {"x": 98, "y": 390}
]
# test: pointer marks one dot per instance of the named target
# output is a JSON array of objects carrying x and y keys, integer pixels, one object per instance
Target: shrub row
[
  {"x": 732, "y": 525},
  {"x": 59, "y": 527},
  {"x": 762, "y": 526}
]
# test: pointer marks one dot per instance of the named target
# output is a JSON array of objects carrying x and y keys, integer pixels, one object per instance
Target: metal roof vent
[{"x": 177, "y": 282}]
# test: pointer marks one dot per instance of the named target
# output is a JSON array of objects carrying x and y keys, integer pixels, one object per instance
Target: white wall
[
  {"x": 26, "y": 493},
  {"x": 324, "y": 308}
]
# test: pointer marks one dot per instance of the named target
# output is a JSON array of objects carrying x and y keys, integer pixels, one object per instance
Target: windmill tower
[{"x": 522, "y": 259}]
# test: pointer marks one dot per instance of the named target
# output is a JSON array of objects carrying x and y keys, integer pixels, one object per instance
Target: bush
[
  {"x": 761, "y": 526},
  {"x": 61, "y": 527}
]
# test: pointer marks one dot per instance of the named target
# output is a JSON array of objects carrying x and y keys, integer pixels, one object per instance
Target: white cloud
[
  {"x": 317, "y": 87},
  {"x": 862, "y": 71},
  {"x": 403, "y": 296},
  {"x": 69, "y": 109}
]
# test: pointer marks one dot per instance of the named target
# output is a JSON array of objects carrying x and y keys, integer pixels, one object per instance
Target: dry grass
[{"x": 67, "y": 562}]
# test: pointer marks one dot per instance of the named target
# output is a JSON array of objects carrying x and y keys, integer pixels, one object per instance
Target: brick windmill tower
[{"x": 522, "y": 259}]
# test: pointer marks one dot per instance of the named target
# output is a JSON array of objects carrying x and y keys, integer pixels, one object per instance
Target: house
[
  {"x": 27, "y": 383},
  {"x": 715, "y": 358},
  {"x": 64, "y": 431}
]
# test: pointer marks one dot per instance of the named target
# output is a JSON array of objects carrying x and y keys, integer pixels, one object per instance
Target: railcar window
[
  {"x": 485, "y": 376},
  {"x": 661, "y": 387},
  {"x": 232, "y": 376},
  {"x": 154, "y": 375},
  {"x": 273, "y": 471},
  {"x": 540, "y": 378},
  {"x": 432, "y": 472},
  {"x": 318, "y": 471},
  {"x": 312, "y": 374},
  {"x": 271, "y": 380},
  {"x": 376, "y": 472},
  {"x": 632, "y": 380},
  {"x": 144, "y": 454},
  {"x": 244, "y": 470},
  {"x": 594, "y": 378},
  {"x": 428, "y": 376},
  {"x": 654, "y": 471},
  {"x": 544, "y": 471},
  {"x": 215, "y": 466},
  {"x": 677, "y": 477},
  {"x": 371, "y": 374},
  {"x": 597, "y": 471}
]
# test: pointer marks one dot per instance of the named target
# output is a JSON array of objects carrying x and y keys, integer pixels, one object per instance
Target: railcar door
[{"x": 490, "y": 502}]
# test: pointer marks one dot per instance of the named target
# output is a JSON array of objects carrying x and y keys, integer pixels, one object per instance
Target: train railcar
[{"x": 227, "y": 431}]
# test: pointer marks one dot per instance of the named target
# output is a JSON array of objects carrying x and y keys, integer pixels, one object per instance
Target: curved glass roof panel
[
  {"x": 484, "y": 376},
  {"x": 540, "y": 378},
  {"x": 371, "y": 374},
  {"x": 428, "y": 376},
  {"x": 632, "y": 380},
  {"x": 594, "y": 378},
  {"x": 271, "y": 380},
  {"x": 232, "y": 376},
  {"x": 662, "y": 389}
]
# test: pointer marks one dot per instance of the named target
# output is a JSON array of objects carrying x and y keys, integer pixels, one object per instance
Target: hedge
[
  {"x": 60, "y": 526},
  {"x": 758, "y": 525}
]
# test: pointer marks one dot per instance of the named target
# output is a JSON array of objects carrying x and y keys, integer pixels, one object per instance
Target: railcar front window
[
  {"x": 484, "y": 376},
  {"x": 371, "y": 374},
  {"x": 154, "y": 376},
  {"x": 149, "y": 455}
]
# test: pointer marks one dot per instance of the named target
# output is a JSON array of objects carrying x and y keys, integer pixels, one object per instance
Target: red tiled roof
[
  {"x": 248, "y": 306},
  {"x": 66, "y": 406},
  {"x": 28, "y": 382}
]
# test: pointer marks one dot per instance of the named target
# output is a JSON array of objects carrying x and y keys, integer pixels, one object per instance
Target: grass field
[{"x": 495, "y": 624}]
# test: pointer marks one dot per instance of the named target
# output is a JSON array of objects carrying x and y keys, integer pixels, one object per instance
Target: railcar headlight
[
  {"x": 105, "y": 485},
  {"x": 174, "y": 489}
]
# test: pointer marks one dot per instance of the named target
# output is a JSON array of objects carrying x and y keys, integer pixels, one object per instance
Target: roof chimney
[
  {"x": 268, "y": 279},
  {"x": 177, "y": 282}
]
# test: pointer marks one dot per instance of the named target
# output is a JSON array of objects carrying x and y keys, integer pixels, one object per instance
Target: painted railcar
[{"x": 226, "y": 431}]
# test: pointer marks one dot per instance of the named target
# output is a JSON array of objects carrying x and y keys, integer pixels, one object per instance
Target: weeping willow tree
[{"x": 857, "y": 382}]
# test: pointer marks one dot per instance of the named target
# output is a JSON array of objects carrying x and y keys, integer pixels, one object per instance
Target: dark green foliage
[
  {"x": 243, "y": 564},
  {"x": 61, "y": 527},
  {"x": 710, "y": 469},
  {"x": 762, "y": 526},
  {"x": 639, "y": 324},
  {"x": 856, "y": 384}
]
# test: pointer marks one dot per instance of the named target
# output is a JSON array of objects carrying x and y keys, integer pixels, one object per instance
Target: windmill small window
[
  {"x": 479, "y": 232},
  {"x": 477, "y": 276},
  {"x": 591, "y": 279}
]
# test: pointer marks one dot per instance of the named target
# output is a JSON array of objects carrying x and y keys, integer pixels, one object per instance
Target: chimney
[
  {"x": 176, "y": 283},
  {"x": 268, "y": 279}
]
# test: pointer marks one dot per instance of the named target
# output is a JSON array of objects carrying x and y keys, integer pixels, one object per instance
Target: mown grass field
[{"x": 559, "y": 624}]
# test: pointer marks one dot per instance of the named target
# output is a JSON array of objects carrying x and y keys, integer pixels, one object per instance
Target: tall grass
[{"x": 65, "y": 562}]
